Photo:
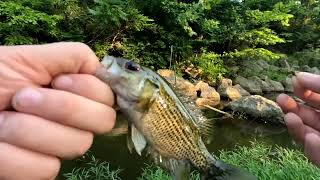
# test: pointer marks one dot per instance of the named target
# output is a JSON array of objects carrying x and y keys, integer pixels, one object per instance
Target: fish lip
[{"x": 107, "y": 61}]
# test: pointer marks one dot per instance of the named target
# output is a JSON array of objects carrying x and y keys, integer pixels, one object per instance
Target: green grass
[
  {"x": 267, "y": 162},
  {"x": 151, "y": 172},
  {"x": 93, "y": 169},
  {"x": 264, "y": 161}
]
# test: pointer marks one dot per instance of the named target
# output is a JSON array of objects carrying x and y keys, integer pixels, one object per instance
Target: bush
[
  {"x": 310, "y": 57},
  {"x": 212, "y": 66}
]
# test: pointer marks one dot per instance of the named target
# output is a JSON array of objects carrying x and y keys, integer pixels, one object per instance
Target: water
[{"x": 226, "y": 135}]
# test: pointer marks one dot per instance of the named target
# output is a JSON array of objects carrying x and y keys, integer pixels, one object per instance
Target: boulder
[
  {"x": 205, "y": 101},
  {"x": 315, "y": 70},
  {"x": 224, "y": 83},
  {"x": 265, "y": 86},
  {"x": 242, "y": 91},
  {"x": 288, "y": 85},
  {"x": 253, "y": 65},
  {"x": 277, "y": 86},
  {"x": 258, "y": 107},
  {"x": 183, "y": 85},
  {"x": 167, "y": 73},
  {"x": 232, "y": 93},
  {"x": 208, "y": 95},
  {"x": 226, "y": 90},
  {"x": 248, "y": 85},
  {"x": 263, "y": 64},
  {"x": 305, "y": 68}
]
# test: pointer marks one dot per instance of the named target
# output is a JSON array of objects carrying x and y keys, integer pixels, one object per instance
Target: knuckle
[{"x": 109, "y": 121}]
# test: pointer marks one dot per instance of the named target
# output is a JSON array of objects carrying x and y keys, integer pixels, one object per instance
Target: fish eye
[{"x": 132, "y": 66}]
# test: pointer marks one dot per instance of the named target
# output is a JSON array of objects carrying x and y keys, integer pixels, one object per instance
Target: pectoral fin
[{"x": 138, "y": 140}]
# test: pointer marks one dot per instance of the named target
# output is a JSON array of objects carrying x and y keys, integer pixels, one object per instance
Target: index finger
[
  {"x": 49, "y": 60},
  {"x": 307, "y": 87}
]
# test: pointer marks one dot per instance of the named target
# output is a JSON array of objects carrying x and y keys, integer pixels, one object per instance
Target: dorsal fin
[{"x": 162, "y": 83}]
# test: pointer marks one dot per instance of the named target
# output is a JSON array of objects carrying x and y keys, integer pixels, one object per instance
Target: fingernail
[
  {"x": 306, "y": 75},
  {"x": 27, "y": 97},
  {"x": 63, "y": 82}
]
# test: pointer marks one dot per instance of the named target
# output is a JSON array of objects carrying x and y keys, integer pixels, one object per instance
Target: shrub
[{"x": 212, "y": 66}]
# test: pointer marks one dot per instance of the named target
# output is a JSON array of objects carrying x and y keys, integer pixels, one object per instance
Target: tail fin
[{"x": 223, "y": 171}]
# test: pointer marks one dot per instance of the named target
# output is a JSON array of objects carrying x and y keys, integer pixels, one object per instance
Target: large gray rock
[
  {"x": 253, "y": 65},
  {"x": 288, "y": 85},
  {"x": 258, "y": 107},
  {"x": 305, "y": 68},
  {"x": 315, "y": 70},
  {"x": 242, "y": 91},
  {"x": 248, "y": 85},
  {"x": 265, "y": 86},
  {"x": 277, "y": 86},
  {"x": 263, "y": 64}
]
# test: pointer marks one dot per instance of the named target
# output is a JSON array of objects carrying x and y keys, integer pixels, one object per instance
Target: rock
[
  {"x": 248, "y": 85},
  {"x": 253, "y": 66},
  {"x": 232, "y": 93},
  {"x": 305, "y": 68},
  {"x": 258, "y": 107},
  {"x": 263, "y": 64},
  {"x": 201, "y": 86},
  {"x": 242, "y": 91},
  {"x": 166, "y": 73},
  {"x": 183, "y": 85},
  {"x": 315, "y": 70},
  {"x": 277, "y": 86},
  {"x": 288, "y": 85},
  {"x": 210, "y": 93},
  {"x": 226, "y": 90},
  {"x": 265, "y": 87},
  {"x": 207, "y": 94},
  {"x": 205, "y": 101},
  {"x": 224, "y": 83}
]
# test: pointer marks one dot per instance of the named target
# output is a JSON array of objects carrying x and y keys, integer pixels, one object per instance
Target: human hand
[
  {"x": 50, "y": 106},
  {"x": 303, "y": 122}
]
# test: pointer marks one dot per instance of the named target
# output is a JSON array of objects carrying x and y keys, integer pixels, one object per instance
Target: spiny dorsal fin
[{"x": 138, "y": 139}]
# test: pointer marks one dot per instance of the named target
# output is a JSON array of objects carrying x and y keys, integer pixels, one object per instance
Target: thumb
[{"x": 40, "y": 63}]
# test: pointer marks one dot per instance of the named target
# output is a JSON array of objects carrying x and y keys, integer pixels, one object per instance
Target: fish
[{"x": 160, "y": 125}]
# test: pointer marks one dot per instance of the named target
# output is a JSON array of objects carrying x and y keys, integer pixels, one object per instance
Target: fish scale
[
  {"x": 161, "y": 123},
  {"x": 169, "y": 133}
]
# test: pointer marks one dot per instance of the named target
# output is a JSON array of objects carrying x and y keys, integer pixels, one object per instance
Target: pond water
[{"x": 225, "y": 136}]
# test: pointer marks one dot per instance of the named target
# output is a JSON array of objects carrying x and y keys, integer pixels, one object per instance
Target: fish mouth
[{"x": 107, "y": 61}]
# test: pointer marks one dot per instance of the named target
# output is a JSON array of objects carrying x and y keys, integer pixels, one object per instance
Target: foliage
[
  {"x": 93, "y": 169},
  {"x": 267, "y": 162},
  {"x": 309, "y": 57},
  {"x": 145, "y": 31},
  {"x": 212, "y": 66},
  {"x": 23, "y": 25}
]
